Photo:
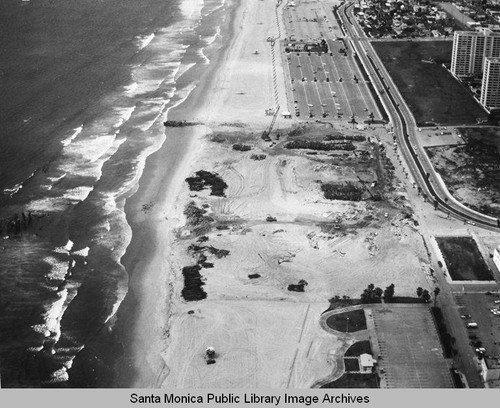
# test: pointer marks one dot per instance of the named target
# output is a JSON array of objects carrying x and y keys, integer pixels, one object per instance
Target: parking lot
[
  {"x": 410, "y": 351},
  {"x": 477, "y": 308},
  {"x": 329, "y": 85}
]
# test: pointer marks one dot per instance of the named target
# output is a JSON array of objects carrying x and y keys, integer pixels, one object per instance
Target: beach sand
[
  {"x": 236, "y": 88},
  {"x": 265, "y": 335}
]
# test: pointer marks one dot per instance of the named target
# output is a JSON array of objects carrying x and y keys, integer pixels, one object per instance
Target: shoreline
[{"x": 163, "y": 176}]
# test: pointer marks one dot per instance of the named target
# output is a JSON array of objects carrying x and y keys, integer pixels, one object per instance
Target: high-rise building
[
  {"x": 470, "y": 48},
  {"x": 490, "y": 88}
]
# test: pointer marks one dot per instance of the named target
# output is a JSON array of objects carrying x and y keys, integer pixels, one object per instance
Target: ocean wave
[
  {"x": 206, "y": 60},
  {"x": 75, "y": 133},
  {"x": 100, "y": 164},
  {"x": 212, "y": 7},
  {"x": 84, "y": 252},
  {"x": 144, "y": 40},
  {"x": 191, "y": 9}
]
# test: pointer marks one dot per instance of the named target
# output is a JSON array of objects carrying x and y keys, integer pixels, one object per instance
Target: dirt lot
[
  {"x": 337, "y": 247},
  {"x": 472, "y": 171},
  {"x": 431, "y": 92}
]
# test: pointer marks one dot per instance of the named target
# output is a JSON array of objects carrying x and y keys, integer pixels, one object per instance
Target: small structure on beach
[
  {"x": 366, "y": 363},
  {"x": 210, "y": 355}
]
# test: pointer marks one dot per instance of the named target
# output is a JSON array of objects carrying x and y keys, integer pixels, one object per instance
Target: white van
[{"x": 472, "y": 325}]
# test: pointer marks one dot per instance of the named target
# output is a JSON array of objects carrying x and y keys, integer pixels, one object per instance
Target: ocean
[{"x": 85, "y": 86}]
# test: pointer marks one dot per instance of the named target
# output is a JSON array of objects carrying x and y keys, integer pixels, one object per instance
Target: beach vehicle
[{"x": 210, "y": 355}]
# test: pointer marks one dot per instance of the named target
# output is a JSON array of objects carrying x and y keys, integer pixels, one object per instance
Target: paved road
[
  {"x": 405, "y": 128},
  {"x": 405, "y": 131}
]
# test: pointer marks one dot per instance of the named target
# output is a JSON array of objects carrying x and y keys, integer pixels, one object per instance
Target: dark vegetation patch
[
  {"x": 258, "y": 156},
  {"x": 354, "y": 138},
  {"x": 219, "y": 253},
  {"x": 339, "y": 302},
  {"x": 204, "y": 179},
  {"x": 447, "y": 341},
  {"x": 407, "y": 299},
  {"x": 351, "y": 364},
  {"x": 179, "y": 123},
  {"x": 347, "y": 322},
  {"x": 342, "y": 191},
  {"x": 299, "y": 287},
  {"x": 242, "y": 147},
  {"x": 196, "y": 215},
  {"x": 193, "y": 283},
  {"x": 197, "y": 218},
  {"x": 430, "y": 91},
  {"x": 358, "y": 348},
  {"x": 473, "y": 167},
  {"x": 354, "y": 380},
  {"x": 317, "y": 145},
  {"x": 463, "y": 259}
]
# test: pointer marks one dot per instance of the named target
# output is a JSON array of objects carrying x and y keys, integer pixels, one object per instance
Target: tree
[
  {"x": 353, "y": 121},
  {"x": 377, "y": 293},
  {"x": 436, "y": 293},
  {"x": 419, "y": 291},
  {"x": 389, "y": 292},
  {"x": 426, "y": 295},
  {"x": 371, "y": 116},
  {"x": 368, "y": 294}
]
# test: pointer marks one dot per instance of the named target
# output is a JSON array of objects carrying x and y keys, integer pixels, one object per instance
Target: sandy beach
[
  {"x": 236, "y": 88},
  {"x": 221, "y": 269},
  {"x": 165, "y": 335}
]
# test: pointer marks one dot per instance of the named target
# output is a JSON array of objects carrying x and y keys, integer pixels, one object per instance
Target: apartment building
[
  {"x": 470, "y": 48},
  {"x": 490, "y": 88}
]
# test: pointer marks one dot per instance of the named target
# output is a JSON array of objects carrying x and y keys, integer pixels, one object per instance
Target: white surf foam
[
  {"x": 82, "y": 252},
  {"x": 75, "y": 133},
  {"x": 143, "y": 41},
  {"x": 191, "y": 9}
]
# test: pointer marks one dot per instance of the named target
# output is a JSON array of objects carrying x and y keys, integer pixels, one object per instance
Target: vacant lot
[
  {"x": 463, "y": 259},
  {"x": 472, "y": 171},
  {"x": 431, "y": 92}
]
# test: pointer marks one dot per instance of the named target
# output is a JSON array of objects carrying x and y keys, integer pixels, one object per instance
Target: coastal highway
[{"x": 405, "y": 127}]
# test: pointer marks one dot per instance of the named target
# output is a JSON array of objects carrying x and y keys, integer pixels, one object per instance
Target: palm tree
[
  {"x": 436, "y": 293},
  {"x": 353, "y": 121},
  {"x": 371, "y": 116}
]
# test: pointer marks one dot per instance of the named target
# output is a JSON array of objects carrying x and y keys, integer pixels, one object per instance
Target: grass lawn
[
  {"x": 430, "y": 91},
  {"x": 361, "y": 347},
  {"x": 348, "y": 321},
  {"x": 463, "y": 259},
  {"x": 351, "y": 364},
  {"x": 354, "y": 380}
]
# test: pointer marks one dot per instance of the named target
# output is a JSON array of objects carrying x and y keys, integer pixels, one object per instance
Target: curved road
[{"x": 405, "y": 127}]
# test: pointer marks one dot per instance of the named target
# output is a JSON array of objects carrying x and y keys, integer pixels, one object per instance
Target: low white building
[
  {"x": 366, "y": 363},
  {"x": 490, "y": 368}
]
